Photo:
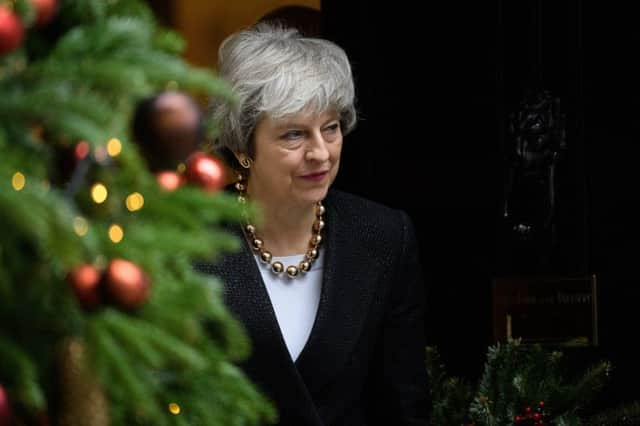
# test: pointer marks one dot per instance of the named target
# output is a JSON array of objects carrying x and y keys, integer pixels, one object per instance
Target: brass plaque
[{"x": 555, "y": 310}]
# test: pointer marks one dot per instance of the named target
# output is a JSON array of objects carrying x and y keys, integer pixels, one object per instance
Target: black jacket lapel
[
  {"x": 347, "y": 291},
  {"x": 270, "y": 365}
]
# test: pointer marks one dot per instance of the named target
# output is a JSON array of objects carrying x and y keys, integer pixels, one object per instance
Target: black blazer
[{"x": 364, "y": 361}]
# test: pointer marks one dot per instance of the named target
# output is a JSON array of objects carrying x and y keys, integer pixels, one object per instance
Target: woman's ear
[
  {"x": 244, "y": 160},
  {"x": 239, "y": 156}
]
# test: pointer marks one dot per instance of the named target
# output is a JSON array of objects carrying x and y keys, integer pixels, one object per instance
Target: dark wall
[{"x": 436, "y": 85}]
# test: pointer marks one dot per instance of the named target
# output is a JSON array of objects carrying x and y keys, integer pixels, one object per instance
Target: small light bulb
[
  {"x": 116, "y": 234},
  {"x": 18, "y": 181},
  {"x": 80, "y": 226},
  {"x": 100, "y": 261},
  {"x": 81, "y": 150},
  {"x": 174, "y": 408},
  {"x": 114, "y": 147},
  {"x": 99, "y": 193},
  {"x": 101, "y": 154},
  {"x": 134, "y": 201}
]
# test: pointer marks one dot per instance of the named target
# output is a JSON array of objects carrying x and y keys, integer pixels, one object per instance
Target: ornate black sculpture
[{"x": 534, "y": 148}]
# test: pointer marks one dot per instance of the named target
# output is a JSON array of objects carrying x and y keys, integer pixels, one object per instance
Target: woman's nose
[{"x": 317, "y": 150}]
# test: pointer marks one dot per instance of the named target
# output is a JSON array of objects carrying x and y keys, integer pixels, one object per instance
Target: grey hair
[{"x": 275, "y": 71}]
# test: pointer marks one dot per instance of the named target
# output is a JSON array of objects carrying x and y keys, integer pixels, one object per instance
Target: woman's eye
[
  {"x": 332, "y": 131},
  {"x": 333, "y": 127},
  {"x": 293, "y": 135}
]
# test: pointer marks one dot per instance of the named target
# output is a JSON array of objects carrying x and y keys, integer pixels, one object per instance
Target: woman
[{"x": 328, "y": 285}]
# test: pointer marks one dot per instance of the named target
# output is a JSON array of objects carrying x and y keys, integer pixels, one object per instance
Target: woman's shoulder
[
  {"x": 346, "y": 201},
  {"x": 362, "y": 213},
  {"x": 361, "y": 224}
]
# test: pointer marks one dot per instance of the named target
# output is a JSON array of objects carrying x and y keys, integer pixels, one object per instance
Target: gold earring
[{"x": 246, "y": 162}]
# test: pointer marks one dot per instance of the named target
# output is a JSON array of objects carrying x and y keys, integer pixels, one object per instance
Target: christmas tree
[
  {"x": 523, "y": 385},
  {"x": 102, "y": 318}
]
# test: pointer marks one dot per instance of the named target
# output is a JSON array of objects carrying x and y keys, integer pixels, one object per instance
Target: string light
[
  {"x": 181, "y": 168},
  {"x": 116, "y": 234},
  {"x": 101, "y": 154},
  {"x": 99, "y": 193},
  {"x": 174, "y": 408},
  {"x": 134, "y": 201},
  {"x": 80, "y": 226},
  {"x": 114, "y": 147},
  {"x": 100, "y": 261},
  {"x": 81, "y": 150},
  {"x": 18, "y": 181}
]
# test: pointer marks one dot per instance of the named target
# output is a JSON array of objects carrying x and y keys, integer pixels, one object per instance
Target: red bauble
[
  {"x": 126, "y": 284},
  {"x": 169, "y": 180},
  {"x": 11, "y": 30},
  {"x": 5, "y": 408},
  {"x": 45, "y": 10},
  {"x": 205, "y": 171},
  {"x": 85, "y": 282}
]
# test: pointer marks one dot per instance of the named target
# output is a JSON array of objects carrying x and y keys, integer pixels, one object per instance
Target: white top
[{"x": 294, "y": 300}]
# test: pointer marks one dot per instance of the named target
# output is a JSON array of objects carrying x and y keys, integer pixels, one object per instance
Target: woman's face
[{"x": 296, "y": 159}]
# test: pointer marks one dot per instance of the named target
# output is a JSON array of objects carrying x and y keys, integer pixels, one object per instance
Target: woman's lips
[{"x": 315, "y": 177}]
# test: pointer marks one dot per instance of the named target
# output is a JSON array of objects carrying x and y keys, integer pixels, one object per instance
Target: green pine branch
[
  {"x": 573, "y": 398},
  {"x": 15, "y": 363},
  {"x": 626, "y": 415},
  {"x": 451, "y": 396},
  {"x": 518, "y": 376}
]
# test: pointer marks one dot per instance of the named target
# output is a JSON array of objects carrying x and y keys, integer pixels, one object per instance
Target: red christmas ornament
[
  {"x": 45, "y": 10},
  {"x": 126, "y": 284},
  {"x": 85, "y": 282},
  {"x": 531, "y": 417},
  {"x": 11, "y": 30},
  {"x": 5, "y": 408},
  {"x": 169, "y": 180},
  {"x": 205, "y": 171}
]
